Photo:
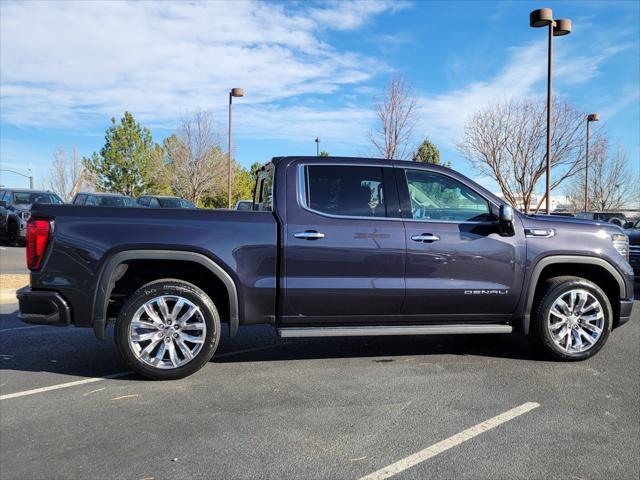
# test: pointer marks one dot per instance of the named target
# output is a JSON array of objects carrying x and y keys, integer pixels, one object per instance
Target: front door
[
  {"x": 457, "y": 263},
  {"x": 344, "y": 245}
]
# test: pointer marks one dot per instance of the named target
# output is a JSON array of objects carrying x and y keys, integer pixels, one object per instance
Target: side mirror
[
  {"x": 626, "y": 224},
  {"x": 3, "y": 203},
  {"x": 505, "y": 226}
]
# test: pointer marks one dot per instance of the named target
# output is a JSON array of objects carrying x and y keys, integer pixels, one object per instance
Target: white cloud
[
  {"x": 442, "y": 116},
  {"x": 69, "y": 64}
]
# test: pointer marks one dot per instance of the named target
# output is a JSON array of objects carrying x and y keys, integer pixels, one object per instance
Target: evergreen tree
[
  {"x": 130, "y": 162},
  {"x": 427, "y": 153}
]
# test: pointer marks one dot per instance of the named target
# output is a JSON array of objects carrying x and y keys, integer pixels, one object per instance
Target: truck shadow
[{"x": 381, "y": 349}]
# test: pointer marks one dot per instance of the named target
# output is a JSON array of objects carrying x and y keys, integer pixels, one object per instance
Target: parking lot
[{"x": 319, "y": 408}]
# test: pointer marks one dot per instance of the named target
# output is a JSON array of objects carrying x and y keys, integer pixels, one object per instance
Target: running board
[{"x": 290, "y": 332}]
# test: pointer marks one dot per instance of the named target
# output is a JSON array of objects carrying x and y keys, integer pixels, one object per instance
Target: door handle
[
  {"x": 309, "y": 235},
  {"x": 425, "y": 237}
]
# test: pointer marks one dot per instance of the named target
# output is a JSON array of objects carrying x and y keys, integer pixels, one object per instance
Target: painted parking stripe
[
  {"x": 21, "y": 328},
  {"x": 447, "y": 443},
  {"x": 62, "y": 385}
]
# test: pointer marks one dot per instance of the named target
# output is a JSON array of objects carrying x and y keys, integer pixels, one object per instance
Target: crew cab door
[
  {"x": 344, "y": 244},
  {"x": 457, "y": 263}
]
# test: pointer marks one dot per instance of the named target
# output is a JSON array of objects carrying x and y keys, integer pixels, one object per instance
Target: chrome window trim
[{"x": 301, "y": 186}]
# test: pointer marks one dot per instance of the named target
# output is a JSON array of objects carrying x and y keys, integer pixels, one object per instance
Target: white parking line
[
  {"x": 21, "y": 328},
  {"x": 446, "y": 444},
  {"x": 62, "y": 385}
]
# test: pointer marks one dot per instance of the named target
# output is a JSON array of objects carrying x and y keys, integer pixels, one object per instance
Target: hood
[
  {"x": 569, "y": 223},
  {"x": 20, "y": 207}
]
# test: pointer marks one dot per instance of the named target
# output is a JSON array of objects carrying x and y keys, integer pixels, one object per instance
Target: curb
[{"x": 8, "y": 296}]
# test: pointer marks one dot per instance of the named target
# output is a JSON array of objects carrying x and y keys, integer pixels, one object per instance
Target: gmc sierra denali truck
[{"x": 332, "y": 247}]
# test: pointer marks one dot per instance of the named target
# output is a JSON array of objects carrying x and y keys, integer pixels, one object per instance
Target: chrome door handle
[
  {"x": 425, "y": 237},
  {"x": 309, "y": 235}
]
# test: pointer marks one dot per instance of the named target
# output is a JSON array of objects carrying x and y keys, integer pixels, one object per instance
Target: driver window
[{"x": 438, "y": 197}]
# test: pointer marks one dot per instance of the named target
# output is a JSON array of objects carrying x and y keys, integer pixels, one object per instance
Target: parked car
[
  {"x": 244, "y": 205},
  {"x": 161, "y": 201},
  {"x": 333, "y": 247},
  {"x": 15, "y": 209},
  {"x": 633, "y": 232},
  {"x": 617, "y": 218},
  {"x": 95, "y": 199}
]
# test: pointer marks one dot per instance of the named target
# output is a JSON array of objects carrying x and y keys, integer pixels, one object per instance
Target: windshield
[
  {"x": 35, "y": 197},
  {"x": 115, "y": 201},
  {"x": 175, "y": 203}
]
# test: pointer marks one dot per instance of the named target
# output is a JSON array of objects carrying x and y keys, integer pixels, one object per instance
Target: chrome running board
[{"x": 299, "y": 332}]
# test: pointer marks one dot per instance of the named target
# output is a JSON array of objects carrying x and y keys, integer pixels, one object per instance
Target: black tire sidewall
[
  {"x": 541, "y": 332},
  {"x": 156, "y": 289}
]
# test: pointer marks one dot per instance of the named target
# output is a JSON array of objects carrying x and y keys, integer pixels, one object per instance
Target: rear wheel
[
  {"x": 167, "y": 330},
  {"x": 572, "y": 318}
]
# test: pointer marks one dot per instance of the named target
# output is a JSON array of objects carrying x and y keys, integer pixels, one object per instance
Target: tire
[
  {"x": 578, "y": 331},
  {"x": 14, "y": 236},
  {"x": 173, "y": 354}
]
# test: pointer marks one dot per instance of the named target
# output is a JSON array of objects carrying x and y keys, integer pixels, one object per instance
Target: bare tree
[
  {"x": 195, "y": 158},
  {"x": 507, "y": 143},
  {"x": 396, "y": 117},
  {"x": 68, "y": 174},
  {"x": 612, "y": 186}
]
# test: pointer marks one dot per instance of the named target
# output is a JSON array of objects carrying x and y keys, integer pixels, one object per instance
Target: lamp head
[
  {"x": 562, "y": 27},
  {"x": 593, "y": 117},
  {"x": 541, "y": 17},
  {"x": 237, "y": 92}
]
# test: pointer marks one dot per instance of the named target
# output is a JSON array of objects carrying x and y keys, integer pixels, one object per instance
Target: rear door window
[{"x": 346, "y": 191}]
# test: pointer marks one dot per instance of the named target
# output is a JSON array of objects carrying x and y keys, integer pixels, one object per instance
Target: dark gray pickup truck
[{"x": 332, "y": 247}]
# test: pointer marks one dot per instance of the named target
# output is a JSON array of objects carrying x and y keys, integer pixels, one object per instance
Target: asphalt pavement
[
  {"x": 12, "y": 260},
  {"x": 318, "y": 408}
]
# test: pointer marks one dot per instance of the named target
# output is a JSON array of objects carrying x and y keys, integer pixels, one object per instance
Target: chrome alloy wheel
[
  {"x": 576, "y": 321},
  {"x": 167, "y": 332}
]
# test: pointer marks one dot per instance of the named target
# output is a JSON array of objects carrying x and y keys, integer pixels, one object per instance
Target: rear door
[
  {"x": 457, "y": 263},
  {"x": 344, "y": 244}
]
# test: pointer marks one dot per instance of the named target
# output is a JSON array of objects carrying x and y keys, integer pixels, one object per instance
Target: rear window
[
  {"x": 263, "y": 196},
  {"x": 349, "y": 191},
  {"x": 109, "y": 201},
  {"x": 33, "y": 197}
]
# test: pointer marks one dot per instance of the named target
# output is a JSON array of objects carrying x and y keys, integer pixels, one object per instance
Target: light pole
[
  {"x": 30, "y": 177},
  {"x": 592, "y": 117},
  {"x": 542, "y": 18},
  {"x": 317, "y": 140},
  {"x": 234, "y": 92}
]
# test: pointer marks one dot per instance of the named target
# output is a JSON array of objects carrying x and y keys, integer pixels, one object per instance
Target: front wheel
[
  {"x": 572, "y": 318},
  {"x": 167, "y": 330}
]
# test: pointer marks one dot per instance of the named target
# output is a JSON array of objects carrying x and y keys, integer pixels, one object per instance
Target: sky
[{"x": 309, "y": 69}]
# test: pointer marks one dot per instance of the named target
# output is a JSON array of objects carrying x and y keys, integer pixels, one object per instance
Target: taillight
[{"x": 38, "y": 232}]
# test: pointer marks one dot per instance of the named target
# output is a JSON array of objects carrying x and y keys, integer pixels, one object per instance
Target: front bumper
[{"x": 43, "y": 307}]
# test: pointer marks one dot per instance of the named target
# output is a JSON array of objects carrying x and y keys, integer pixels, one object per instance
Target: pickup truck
[{"x": 332, "y": 247}]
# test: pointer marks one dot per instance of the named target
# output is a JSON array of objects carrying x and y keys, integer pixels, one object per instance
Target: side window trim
[
  {"x": 405, "y": 202},
  {"x": 302, "y": 187}
]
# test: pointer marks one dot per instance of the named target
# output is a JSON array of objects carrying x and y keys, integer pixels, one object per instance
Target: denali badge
[{"x": 486, "y": 292}]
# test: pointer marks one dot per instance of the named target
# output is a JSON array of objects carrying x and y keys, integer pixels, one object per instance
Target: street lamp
[
  {"x": 234, "y": 92},
  {"x": 542, "y": 18},
  {"x": 592, "y": 117},
  {"x": 317, "y": 140},
  {"x": 30, "y": 177}
]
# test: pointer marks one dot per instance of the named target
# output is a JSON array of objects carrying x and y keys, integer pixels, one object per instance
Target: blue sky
[{"x": 308, "y": 68}]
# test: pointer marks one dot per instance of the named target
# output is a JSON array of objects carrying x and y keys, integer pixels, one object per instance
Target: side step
[{"x": 299, "y": 332}]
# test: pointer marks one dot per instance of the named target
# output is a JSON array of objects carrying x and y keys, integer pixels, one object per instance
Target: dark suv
[
  {"x": 95, "y": 199},
  {"x": 162, "y": 201},
  {"x": 617, "y": 218},
  {"x": 633, "y": 232},
  {"x": 15, "y": 210}
]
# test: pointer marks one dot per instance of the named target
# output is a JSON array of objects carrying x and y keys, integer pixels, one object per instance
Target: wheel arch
[
  {"x": 115, "y": 267},
  {"x": 612, "y": 281}
]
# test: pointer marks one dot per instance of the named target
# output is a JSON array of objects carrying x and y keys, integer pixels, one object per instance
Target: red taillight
[{"x": 38, "y": 231}]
